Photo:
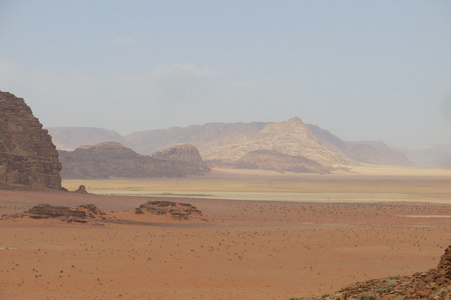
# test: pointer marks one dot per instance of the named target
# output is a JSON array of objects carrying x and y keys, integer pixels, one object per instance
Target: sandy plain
[{"x": 266, "y": 236}]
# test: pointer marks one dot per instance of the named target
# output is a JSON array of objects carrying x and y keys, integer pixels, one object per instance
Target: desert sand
[{"x": 239, "y": 249}]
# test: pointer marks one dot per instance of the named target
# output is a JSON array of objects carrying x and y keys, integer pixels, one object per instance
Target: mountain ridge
[
  {"x": 211, "y": 137},
  {"x": 111, "y": 159}
]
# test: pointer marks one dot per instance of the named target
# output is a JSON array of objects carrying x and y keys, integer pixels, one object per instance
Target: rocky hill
[
  {"x": 290, "y": 137},
  {"x": 185, "y": 153},
  {"x": 434, "y": 284},
  {"x": 111, "y": 159},
  {"x": 28, "y": 158}
]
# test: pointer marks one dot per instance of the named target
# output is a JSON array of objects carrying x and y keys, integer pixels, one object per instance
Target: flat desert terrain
[{"x": 263, "y": 235}]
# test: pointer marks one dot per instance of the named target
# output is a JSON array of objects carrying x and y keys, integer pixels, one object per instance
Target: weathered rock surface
[
  {"x": 111, "y": 159},
  {"x": 434, "y": 284},
  {"x": 274, "y": 160},
  {"x": 80, "y": 214},
  {"x": 28, "y": 158},
  {"x": 179, "y": 211}
]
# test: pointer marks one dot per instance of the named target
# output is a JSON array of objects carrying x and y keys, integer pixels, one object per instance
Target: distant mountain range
[
  {"x": 229, "y": 143},
  {"x": 111, "y": 159},
  {"x": 438, "y": 156}
]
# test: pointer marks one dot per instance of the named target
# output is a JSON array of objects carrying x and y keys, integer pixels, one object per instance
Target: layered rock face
[
  {"x": 28, "y": 158},
  {"x": 291, "y": 137},
  {"x": 81, "y": 214}
]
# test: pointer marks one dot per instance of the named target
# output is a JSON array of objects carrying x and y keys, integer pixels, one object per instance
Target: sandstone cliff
[
  {"x": 28, "y": 158},
  {"x": 111, "y": 159}
]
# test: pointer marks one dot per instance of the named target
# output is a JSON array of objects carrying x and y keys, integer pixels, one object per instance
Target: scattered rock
[
  {"x": 81, "y": 190},
  {"x": 179, "y": 211},
  {"x": 81, "y": 214}
]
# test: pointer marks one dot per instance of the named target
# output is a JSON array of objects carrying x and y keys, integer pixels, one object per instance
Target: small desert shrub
[{"x": 382, "y": 290}]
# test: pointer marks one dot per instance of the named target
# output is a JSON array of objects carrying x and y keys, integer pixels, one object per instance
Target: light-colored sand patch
[
  {"x": 425, "y": 216},
  {"x": 399, "y": 171},
  {"x": 284, "y": 197}
]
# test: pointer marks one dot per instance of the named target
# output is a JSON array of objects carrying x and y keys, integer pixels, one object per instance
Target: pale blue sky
[{"x": 365, "y": 70}]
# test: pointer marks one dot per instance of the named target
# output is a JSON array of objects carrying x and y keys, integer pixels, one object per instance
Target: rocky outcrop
[
  {"x": 111, "y": 159},
  {"x": 81, "y": 190},
  {"x": 80, "y": 214},
  {"x": 186, "y": 154},
  {"x": 28, "y": 158},
  {"x": 274, "y": 160},
  {"x": 179, "y": 211},
  {"x": 434, "y": 284}
]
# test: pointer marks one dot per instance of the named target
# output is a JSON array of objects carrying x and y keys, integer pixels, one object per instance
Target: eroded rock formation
[
  {"x": 80, "y": 214},
  {"x": 179, "y": 211},
  {"x": 28, "y": 158}
]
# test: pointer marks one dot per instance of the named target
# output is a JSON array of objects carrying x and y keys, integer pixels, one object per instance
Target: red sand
[{"x": 246, "y": 249}]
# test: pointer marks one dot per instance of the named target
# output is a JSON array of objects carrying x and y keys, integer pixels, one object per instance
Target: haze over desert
[{"x": 230, "y": 150}]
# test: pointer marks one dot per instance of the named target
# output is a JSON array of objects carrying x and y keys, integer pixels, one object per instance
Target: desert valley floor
[{"x": 263, "y": 235}]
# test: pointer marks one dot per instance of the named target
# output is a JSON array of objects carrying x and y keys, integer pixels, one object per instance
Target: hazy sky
[{"x": 365, "y": 70}]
